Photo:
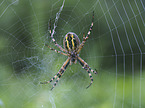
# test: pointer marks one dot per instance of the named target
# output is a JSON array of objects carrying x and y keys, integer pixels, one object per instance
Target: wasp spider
[{"x": 72, "y": 47}]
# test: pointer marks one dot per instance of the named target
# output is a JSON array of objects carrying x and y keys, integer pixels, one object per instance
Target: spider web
[{"x": 116, "y": 48}]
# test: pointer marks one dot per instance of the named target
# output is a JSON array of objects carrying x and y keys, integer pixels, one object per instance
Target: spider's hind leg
[
  {"x": 90, "y": 75},
  {"x": 59, "y": 74},
  {"x": 61, "y": 71},
  {"x": 87, "y": 68}
]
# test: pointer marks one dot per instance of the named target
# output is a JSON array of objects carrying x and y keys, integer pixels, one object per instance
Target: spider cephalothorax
[{"x": 72, "y": 47}]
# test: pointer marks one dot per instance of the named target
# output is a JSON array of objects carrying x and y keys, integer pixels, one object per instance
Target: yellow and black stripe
[{"x": 71, "y": 41}]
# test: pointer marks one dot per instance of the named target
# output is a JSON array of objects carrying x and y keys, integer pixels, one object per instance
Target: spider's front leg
[
  {"x": 85, "y": 38},
  {"x": 59, "y": 74},
  {"x": 87, "y": 68},
  {"x": 54, "y": 41}
]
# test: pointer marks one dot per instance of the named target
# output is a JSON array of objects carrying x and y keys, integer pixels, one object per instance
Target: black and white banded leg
[
  {"x": 87, "y": 68},
  {"x": 59, "y": 74}
]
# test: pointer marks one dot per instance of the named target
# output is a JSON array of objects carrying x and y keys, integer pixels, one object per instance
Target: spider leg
[
  {"x": 87, "y": 68},
  {"x": 51, "y": 78},
  {"x": 56, "y": 50},
  {"x": 62, "y": 70},
  {"x": 54, "y": 41},
  {"x": 84, "y": 64},
  {"x": 57, "y": 80},
  {"x": 90, "y": 75},
  {"x": 85, "y": 38},
  {"x": 59, "y": 74}
]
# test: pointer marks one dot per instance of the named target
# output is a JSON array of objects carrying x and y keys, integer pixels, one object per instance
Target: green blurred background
[{"x": 116, "y": 48}]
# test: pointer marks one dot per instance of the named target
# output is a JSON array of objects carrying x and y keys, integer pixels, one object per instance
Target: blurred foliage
[{"x": 25, "y": 61}]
